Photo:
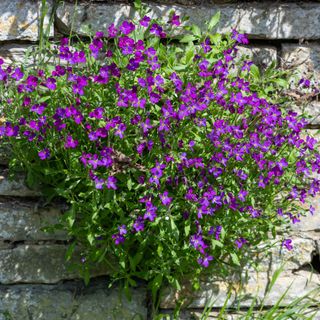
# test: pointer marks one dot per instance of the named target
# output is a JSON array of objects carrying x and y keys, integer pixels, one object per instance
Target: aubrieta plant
[{"x": 175, "y": 155}]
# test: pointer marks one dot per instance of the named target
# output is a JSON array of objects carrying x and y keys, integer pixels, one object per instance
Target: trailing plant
[{"x": 176, "y": 155}]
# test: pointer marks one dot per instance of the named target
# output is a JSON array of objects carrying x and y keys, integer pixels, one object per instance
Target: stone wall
[{"x": 35, "y": 281}]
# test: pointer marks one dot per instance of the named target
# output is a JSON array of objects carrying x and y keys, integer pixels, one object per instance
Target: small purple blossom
[
  {"x": 44, "y": 154},
  {"x": 287, "y": 243},
  {"x": 165, "y": 199}
]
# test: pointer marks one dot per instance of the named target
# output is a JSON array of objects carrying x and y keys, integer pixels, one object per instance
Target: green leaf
[
  {"x": 70, "y": 251},
  {"x": 196, "y": 31},
  {"x": 180, "y": 67},
  {"x": 90, "y": 238},
  {"x": 255, "y": 72},
  {"x": 137, "y": 4},
  {"x": 281, "y": 82},
  {"x": 129, "y": 184},
  {"x": 188, "y": 38},
  {"x": 160, "y": 250},
  {"x": 174, "y": 229},
  {"x": 235, "y": 259},
  {"x": 135, "y": 260},
  {"x": 187, "y": 229},
  {"x": 44, "y": 99},
  {"x": 214, "y": 21},
  {"x": 155, "y": 285}
]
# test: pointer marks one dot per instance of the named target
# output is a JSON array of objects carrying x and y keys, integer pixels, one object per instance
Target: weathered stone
[
  {"x": 302, "y": 58},
  {"x": 15, "y": 187},
  {"x": 310, "y": 110},
  {"x": 17, "y": 54},
  {"x": 37, "y": 264},
  {"x": 251, "y": 285},
  {"x": 24, "y": 221},
  {"x": 260, "y": 55},
  {"x": 259, "y": 19},
  {"x": 300, "y": 256},
  {"x": 20, "y": 19},
  {"x": 71, "y": 301},
  {"x": 5, "y": 153},
  {"x": 231, "y": 314}
]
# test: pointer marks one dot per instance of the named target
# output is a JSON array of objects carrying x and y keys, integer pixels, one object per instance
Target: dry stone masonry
[{"x": 35, "y": 281}]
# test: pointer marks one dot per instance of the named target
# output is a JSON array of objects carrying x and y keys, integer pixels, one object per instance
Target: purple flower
[
  {"x": 157, "y": 30},
  {"x": 240, "y": 242},
  {"x": 205, "y": 261},
  {"x": 51, "y": 84},
  {"x": 240, "y": 38},
  {"x": 138, "y": 225},
  {"x": 112, "y": 31},
  {"x": 242, "y": 195},
  {"x": 121, "y": 129},
  {"x": 126, "y": 27},
  {"x": 122, "y": 229},
  {"x": 70, "y": 143},
  {"x": 126, "y": 45},
  {"x": 165, "y": 199},
  {"x": 288, "y": 244},
  {"x": 17, "y": 74},
  {"x": 112, "y": 183},
  {"x": 44, "y": 154},
  {"x": 145, "y": 21},
  {"x": 175, "y": 20},
  {"x": 118, "y": 238},
  {"x": 197, "y": 242}
]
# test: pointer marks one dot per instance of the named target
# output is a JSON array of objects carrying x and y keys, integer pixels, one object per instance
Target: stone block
[
  {"x": 72, "y": 301},
  {"x": 244, "y": 289},
  {"x": 259, "y": 19},
  {"x": 21, "y": 221},
  {"x": 231, "y": 314},
  {"x": 303, "y": 58},
  {"x": 299, "y": 257},
  {"x": 15, "y": 187},
  {"x": 20, "y": 20},
  {"x": 18, "y": 54},
  {"x": 37, "y": 264},
  {"x": 260, "y": 55}
]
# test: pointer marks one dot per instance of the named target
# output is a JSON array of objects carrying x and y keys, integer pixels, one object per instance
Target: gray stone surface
[
  {"x": 16, "y": 53},
  {"x": 252, "y": 285},
  {"x": 260, "y": 55},
  {"x": 259, "y": 19},
  {"x": 71, "y": 301},
  {"x": 16, "y": 187},
  {"x": 310, "y": 110},
  {"x": 303, "y": 58},
  {"x": 19, "y": 19},
  {"x": 42, "y": 263},
  {"x": 237, "y": 315},
  {"x": 300, "y": 256},
  {"x": 24, "y": 220}
]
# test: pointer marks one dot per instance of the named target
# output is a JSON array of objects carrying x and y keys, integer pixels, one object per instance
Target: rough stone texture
[
  {"x": 253, "y": 285},
  {"x": 16, "y": 53},
  {"x": 300, "y": 256},
  {"x": 15, "y": 187},
  {"x": 23, "y": 221},
  {"x": 19, "y": 19},
  {"x": 302, "y": 58},
  {"x": 72, "y": 301},
  {"x": 311, "y": 109},
  {"x": 260, "y": 55},
  {"x": 259, "y": 19},
  {"x": 235, "y": 315},
  {"x": 43, "y": 263}
]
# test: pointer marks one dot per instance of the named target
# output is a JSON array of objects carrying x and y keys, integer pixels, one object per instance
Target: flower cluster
[{"x": 161, "y": 150}]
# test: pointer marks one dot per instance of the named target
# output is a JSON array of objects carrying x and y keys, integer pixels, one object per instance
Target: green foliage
[{"x": 174, "y": 154}]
